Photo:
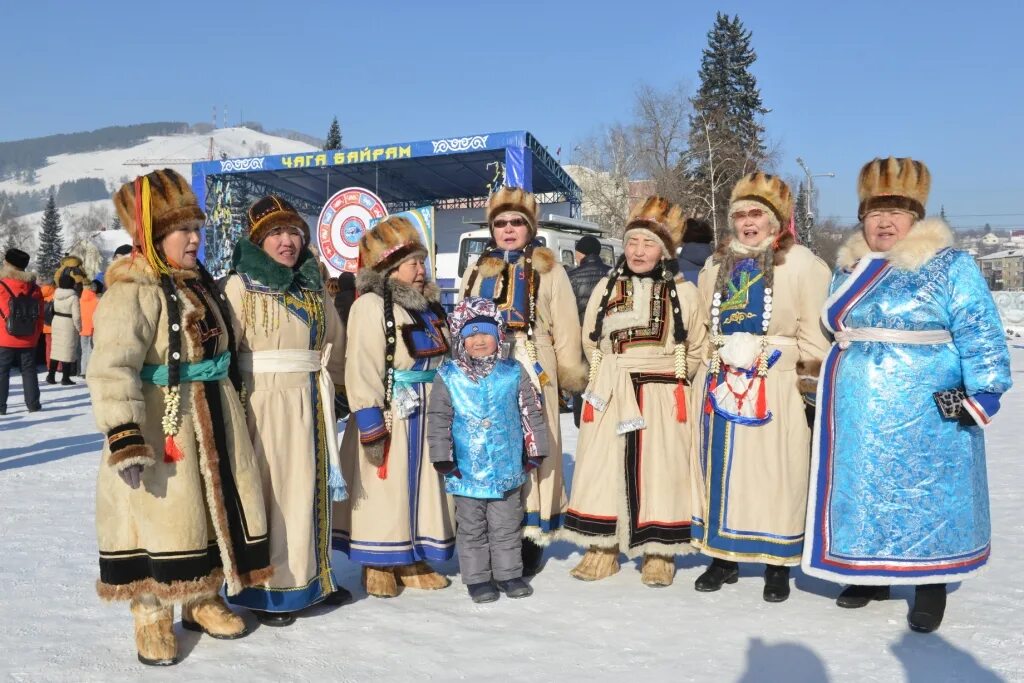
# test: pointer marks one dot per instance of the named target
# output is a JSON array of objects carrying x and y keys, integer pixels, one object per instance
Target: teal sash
[{"x": 210, "y": 370}]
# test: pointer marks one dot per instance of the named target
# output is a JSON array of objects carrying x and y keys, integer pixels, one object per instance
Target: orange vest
[
  {"x": 88, "y": 303},
  {"x": 48, "y": 292}
]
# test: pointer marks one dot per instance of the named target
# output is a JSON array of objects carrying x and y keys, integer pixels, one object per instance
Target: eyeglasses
[
  {"x": 514, "y": 222},
  {"x": 752, "y": 213}
]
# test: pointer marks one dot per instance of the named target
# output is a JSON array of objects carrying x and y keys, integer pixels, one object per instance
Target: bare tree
[
  {"x": 661, "y": 133},
  {"x": 605, "y": 164}
]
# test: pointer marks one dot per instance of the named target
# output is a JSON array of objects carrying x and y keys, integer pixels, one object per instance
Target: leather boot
[
  {"x": 420, "y": 575},
  {"x": 658, "y": 570},
  {"x": 597, "y": 564},
  {"x": 212, "y": 617},
  {"x": 776, "y": 584},
  {"x": 853, "y": 597},
  {"x": 154, "y": 634},
  {"x": 380, "y": 582},
  {"x": 533, "y": 557},
  {"x": 929, "y": 606},
  {"x": 720, "y": 572}
]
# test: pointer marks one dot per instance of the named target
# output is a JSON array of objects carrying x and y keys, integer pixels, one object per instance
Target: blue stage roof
[{"x": 445, "y": 172}]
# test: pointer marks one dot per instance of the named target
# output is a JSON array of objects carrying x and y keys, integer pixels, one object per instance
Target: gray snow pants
[{"x": 489, "y": 537}]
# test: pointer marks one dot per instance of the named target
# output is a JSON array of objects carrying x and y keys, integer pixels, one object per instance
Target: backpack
[{"x": 22, "y": 313}]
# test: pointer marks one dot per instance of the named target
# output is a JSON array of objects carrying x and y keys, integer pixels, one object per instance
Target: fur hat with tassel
[
  {"x": 514, "y": 199},
  {"x": 172, "y": 205},
  {"x": 894, "y": 183},
  {"x": 384, "y": 246},
  {"x": 766, "y": 190},
  {"x": 270, "y": 212},
  {"x": 662, "y": 220}
]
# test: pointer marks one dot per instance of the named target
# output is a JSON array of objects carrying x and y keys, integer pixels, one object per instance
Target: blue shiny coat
[
  {"x": 898, "y": 493},
  {"x": 487, "y": 431}
]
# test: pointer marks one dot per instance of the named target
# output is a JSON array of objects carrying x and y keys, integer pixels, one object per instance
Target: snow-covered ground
[{"x": 54, "y": 628}]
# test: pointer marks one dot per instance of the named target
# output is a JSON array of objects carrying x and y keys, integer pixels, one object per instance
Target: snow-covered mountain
[{"x": 115, "y": 167}]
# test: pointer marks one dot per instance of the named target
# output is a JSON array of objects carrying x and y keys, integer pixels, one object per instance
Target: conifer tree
[
  {"x": 51, "y": 241},
  {"x": 802, "y": 217},
  {"x": 726, "y": 134},
  {"x": 333, "y": 136}
]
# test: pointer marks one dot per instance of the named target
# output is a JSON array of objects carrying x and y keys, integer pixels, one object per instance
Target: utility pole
[{"x": 810, "y": 196}]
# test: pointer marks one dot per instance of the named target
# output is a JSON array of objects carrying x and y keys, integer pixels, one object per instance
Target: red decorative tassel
[
  {"x": 171, "y": 451},
  {"x": 588, "y": 412},
  {"x": 711, "y": 388},
  {"x": 382, "y": 471},
  {"x": 680, "y": 403},
  {"x": 762, "y": 403}
]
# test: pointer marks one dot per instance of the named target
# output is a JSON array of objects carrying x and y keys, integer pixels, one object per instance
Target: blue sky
[{"x": 941, "y": 81}]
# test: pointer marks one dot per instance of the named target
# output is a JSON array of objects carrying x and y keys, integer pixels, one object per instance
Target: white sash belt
[
  {"x": 300, "y": 360},
  {"x": 847, "y": 336}
]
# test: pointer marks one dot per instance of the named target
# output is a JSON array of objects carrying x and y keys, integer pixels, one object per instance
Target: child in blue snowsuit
[{"x": 486, "y": 430}]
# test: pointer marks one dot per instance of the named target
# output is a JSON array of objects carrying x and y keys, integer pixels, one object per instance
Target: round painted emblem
[{"x": 343, "y": 220}]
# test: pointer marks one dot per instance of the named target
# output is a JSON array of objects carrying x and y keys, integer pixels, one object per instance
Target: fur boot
[
  {"x": 212, "y": 617},
  {"x": 658, "y": 570},
  {"x": 597, "y": 564},
  {"x": 420, "y": 575},
  {"x": 380, "y": 582},
  {"x": 154, "y": 634}
]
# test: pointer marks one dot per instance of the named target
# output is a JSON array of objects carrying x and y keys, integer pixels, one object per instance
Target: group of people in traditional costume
[{"x": 771, "y": 412}]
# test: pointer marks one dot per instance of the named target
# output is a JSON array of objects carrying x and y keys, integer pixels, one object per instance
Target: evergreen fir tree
[
  {"x": 333, "y": 136},
  {"x": 802, "y": 217},
  {"x": 115, "y": 224},
  {"x": 51, "y": 241},
  {"x": 726, "y": 135}
]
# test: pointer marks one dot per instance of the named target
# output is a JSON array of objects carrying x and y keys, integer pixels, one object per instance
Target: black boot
[
  {"x": 776, "y": 583},
  {"x": 514, "y": 588},
  {"x": 533, "y": 558},
  {"x": 482, "y": 592},
  {"x": 859, "y": 596},
  {"x": 338, "y": 597},
  {"x": 720, "y": 571},
  {"x": 274, "y": 618},
  {"x": 929, "y": 606},
  {"x": 51, "y": 376}
]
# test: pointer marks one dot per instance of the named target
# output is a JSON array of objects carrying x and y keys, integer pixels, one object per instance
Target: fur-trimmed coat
[
  {"x": 750, "y": 480},
  {"x": 397, "y": 512},
  {"x": 898, "y": 492},
  {"x": 67, "y": 325},
  {"x": 195, "y": 523},
  {"x": 560, "y": 354},
  {"x": 631, "y": 484}
]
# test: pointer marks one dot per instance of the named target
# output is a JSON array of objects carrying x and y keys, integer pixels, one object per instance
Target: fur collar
[
  {"x": 136, "y": 270},
  {"x": 11, "y": 273},
  {"x": 926, "y": 238},
  {"x": 249, "y": 259},
  {"x": 368, "y": 280},
  {"x": 740, "y": 250},
  {"x": 543, "y": 262}
]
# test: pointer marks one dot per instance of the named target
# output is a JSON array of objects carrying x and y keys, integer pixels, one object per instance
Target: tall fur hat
[
  {"x": 663, "y": 219},
  {"x": 514, "y": 199},
  {"x": 893, "y": 183},
  {"x": 72, "y": 267},
  {"x": 172, "y": 205},
  {"x": 388, "y": 243},
  {"x": 271, "y": 212},
  {"x": 766, "y": 189}
]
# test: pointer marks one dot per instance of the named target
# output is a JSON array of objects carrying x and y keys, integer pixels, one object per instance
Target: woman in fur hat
[
  {"x": 898, "y": 491},
  {"x": 538, "y": 307},
  {"x": 397, "y": 516},
  {"x": 292, "y": 355},
  {"x": 750, "y": 464},
  {"x": 66, "y": 327},
  {"x": 179, "y": 505},
  {"x": 644, "y": 333}
]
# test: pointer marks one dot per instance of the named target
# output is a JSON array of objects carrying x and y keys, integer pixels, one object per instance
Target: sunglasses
[
  {"x": 514, "y": 222},
  {"x": 753, "y": 213}
]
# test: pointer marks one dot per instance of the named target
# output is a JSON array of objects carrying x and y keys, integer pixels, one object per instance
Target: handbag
[{"x": 950, "y": 402}]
